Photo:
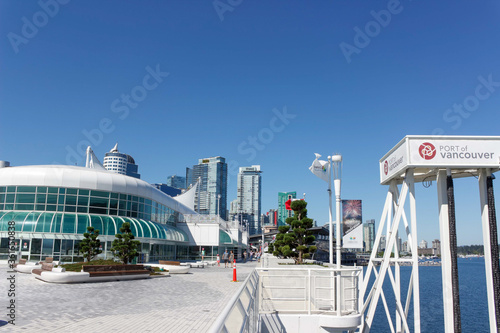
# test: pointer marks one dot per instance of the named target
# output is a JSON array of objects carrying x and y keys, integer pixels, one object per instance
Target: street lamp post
[
  {"x": 337, "y": 173},
  {"x": 330, "y": 231},
  {"x": 218, "y": 204}
]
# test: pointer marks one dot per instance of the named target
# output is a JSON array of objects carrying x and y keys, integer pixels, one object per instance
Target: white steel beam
[
  {"x": 378, "y": 284},
  {"x": 414, "y": 252},
  {"x": 388, "y": 202},
  {"x": 483, "y": 195},
  {"x": 444, "y": 227}
]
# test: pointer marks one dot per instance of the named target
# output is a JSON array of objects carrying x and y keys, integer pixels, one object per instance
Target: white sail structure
[
  {"x": 187, "y": 198},
  {"x": 92, "y": 162}
]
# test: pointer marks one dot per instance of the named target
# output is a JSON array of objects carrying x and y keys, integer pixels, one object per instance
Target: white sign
[
  {"x": 395, "y": 163},
  {"x": 432, "y": 152},
  {"x": 467, "y": 153},
  {"x": 354, "y": 238}
]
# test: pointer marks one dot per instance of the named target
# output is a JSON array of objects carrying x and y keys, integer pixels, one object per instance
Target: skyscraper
[
  {"x": 283, "y": 213},
  {"x": 436, "y": 245},
  {"x": 369, "y": 234},
  {"x": 211, "y": 196},
  {"x": 233, "y": 210},
  {"x": 273, "y": 217},
  {"x": 176, "y": 181},
  {"x": 249, "y": 197},
  {"x": 123, "y": 164},
  {"x": 381, "y": 246}
]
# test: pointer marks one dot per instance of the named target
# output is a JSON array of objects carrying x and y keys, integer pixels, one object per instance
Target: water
[{"x": 473, "y": 298}]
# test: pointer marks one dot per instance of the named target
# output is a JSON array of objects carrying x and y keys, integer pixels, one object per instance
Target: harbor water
[{"x": 473, "y": 298}]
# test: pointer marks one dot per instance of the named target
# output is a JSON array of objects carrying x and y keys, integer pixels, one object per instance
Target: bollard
[{"x": 234, "y": 271}]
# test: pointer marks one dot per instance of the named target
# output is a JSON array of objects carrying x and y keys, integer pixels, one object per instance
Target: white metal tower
[{"x": 425, "y": 158}]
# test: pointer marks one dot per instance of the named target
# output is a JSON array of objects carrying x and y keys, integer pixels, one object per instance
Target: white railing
[
  {"x": 241, "y": 313},
  {"x": 297, "y": 290},
  {"x": 309, "y": 290}
]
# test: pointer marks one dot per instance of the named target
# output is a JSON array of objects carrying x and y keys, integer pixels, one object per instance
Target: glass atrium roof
[{"x": 75, "y": 223}]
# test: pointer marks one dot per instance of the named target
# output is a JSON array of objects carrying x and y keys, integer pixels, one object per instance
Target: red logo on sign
[
  {"x": 386, "y": 167},
  {"x": 427, "y": 151}
]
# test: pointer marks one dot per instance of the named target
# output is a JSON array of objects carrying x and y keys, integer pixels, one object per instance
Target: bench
[
  {"x": 167, "y": 262},
  {"x": 45, "y": 268},
  {"x": 114, "y": 270},
  {"x": 21, "y": 262}
]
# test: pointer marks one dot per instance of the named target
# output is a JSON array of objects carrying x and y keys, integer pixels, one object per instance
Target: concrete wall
[{"x": 201, "y": 234}]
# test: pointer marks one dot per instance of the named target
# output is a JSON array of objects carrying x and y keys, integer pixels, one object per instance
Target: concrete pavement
[{"x": 178, "y": 303}]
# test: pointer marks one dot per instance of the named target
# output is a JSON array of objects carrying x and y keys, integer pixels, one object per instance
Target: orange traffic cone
[{"x": 234, "y": 271}]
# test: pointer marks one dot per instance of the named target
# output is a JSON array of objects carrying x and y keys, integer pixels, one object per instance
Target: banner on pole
[
  {"x": 320, "y": 168},
  {"x": 352, "y": 224}
]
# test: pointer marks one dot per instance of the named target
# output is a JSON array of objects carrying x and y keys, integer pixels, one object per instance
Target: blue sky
[{"x": 222, "y": 76}]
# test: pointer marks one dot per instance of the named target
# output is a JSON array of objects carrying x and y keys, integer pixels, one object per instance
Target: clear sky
[{"x": 257, "y": 82}]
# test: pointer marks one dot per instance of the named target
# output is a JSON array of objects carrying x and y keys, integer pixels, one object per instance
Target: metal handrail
[
  {"x": 272, "y": 299},
  {"x": 249, "y": 288}
]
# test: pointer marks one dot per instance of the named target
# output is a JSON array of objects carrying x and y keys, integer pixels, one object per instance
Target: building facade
[
  {"x": 51, "y": 207},
  {"x": 170, "y": 190},
  {"x": 211, "y": 197},
  {"x": 405, "y": 247},
  {"x": 249, "y": 189},
  {"x": 423, "y": 244},
  {"x": 122, "y": 164},
  {"x": 283, "y": 213},
  {"x": 177, "y": 182},
  {"x": 382, "y": 245},
  {"x": 369, "y": 235},
  {"x": 233, "y": 210},
  {"x": 273, "y": 216},
  {"x": 436, "y": 246}
]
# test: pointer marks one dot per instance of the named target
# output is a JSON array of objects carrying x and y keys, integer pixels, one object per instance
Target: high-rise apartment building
[
  {"x": 211, "y": 196},
  {"x": 264, "y": 220},
  {"x": 123, "y": 164},
  {"x": 233, "y": 210},
  {"x": 436, "y": 246},
  {"x": 381, "y": 246},
  {"x": 167, "y": 189},
  {"x": 249, "y": 197},
  {"x": 404, "y": 248},
  {"x": 273, "y": 217},
  {"x": 369, "y": 234},
  {"x": 177, "y": 182},
  {"x": 423, "y": 244},
  {"x": 283, "y": 213}
]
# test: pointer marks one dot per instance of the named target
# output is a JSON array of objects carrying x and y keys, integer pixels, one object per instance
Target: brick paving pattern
[{"x": 178, "y": 303}]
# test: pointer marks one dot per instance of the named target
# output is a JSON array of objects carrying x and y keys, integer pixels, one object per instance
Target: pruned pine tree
[
  {"x": 294, "y": 240},
  {"x": 124, "y": 246},
  {"x": 90, "y": 245}
]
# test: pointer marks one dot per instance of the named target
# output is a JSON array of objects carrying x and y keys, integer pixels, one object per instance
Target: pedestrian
[
  {"x": 244, "y": 256},
  {"x": 225, "y": 258},
  {"x": 202, "y": 253},
  {"x": 218, "y": 260},
  {"x": 231, "y": 259}
]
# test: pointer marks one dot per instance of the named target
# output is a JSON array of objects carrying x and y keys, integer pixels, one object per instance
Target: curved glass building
[{"x": 51, "y": 207}]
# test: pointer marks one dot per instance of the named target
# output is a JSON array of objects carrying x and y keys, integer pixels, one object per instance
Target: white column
[
  {"x": 330, "y": 231},
  {"x": 483, "y": 195},
  {"x": 444, "y": 227},
  {"x": 338, "y": 239},
  {"x": 414, "y": 253}
]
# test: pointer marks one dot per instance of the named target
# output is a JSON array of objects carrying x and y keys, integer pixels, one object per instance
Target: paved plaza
[{"x": 178, "y": 303}]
